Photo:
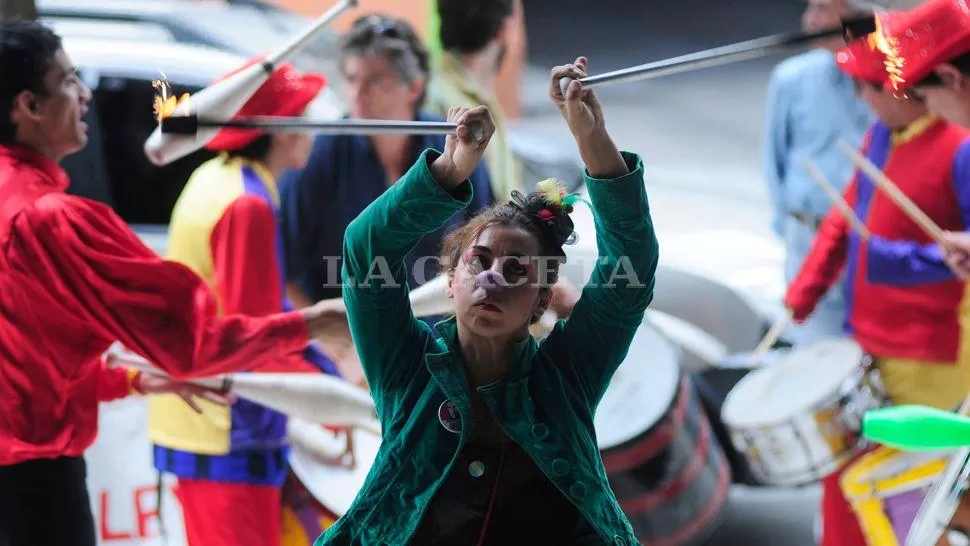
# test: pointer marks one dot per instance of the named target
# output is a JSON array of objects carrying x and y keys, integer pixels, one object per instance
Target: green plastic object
[{"x": 916, "y": 428}]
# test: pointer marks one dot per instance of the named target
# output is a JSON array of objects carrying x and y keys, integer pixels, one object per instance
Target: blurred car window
[{"x": 124, "y": 30}]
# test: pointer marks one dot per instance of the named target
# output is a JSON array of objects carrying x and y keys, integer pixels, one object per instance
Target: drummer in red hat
[
  {"x": 902, "y": 299},
  {"x": 928, "y": 54},
  {"x": 231, "y": 461},
  {"x": 929, "y": 51}
]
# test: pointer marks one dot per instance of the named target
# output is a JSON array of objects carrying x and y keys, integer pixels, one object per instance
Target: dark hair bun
[{"x": 548, "y": 210}]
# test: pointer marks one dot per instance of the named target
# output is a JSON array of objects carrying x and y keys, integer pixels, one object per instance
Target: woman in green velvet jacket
[{"x": 488, "y": 435}]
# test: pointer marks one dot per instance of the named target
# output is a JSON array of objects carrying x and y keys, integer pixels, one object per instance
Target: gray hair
[{"x": 391, "y": 38}]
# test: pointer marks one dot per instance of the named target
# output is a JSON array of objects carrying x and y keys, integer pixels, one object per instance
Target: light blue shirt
[{"x": 811, "y": 106}]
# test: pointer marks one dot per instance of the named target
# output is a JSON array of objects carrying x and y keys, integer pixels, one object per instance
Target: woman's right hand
[{"x": 463, "y": 152}]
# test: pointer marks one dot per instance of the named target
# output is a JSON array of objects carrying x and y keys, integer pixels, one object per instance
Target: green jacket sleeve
[
  {"x": 389, "y": 339},
  {"x": 598, "y": 333}
]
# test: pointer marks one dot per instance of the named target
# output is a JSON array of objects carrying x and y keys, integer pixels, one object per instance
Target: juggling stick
[
  {"x": 225, "y": 98},
  {"x": 315, "y": 397},
  {"x": 917, "y": 428},
  {"x": 193, "y": 125},
  {"x": 741, "y": 51},
  {"x": 836, "y": 197}
]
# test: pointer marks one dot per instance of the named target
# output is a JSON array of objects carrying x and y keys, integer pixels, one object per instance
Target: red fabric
[
  {"x": 74, "y": 279},
  {"x": 840, "y": 527},
  {"x": 230, "y": 514},
  {"x": 246, "y": 268},
  {"x": 923, "y": 38},
  {"x": 860, "y": 60},
  {"x": 113, "y": 383},
  {"x": 824, "y": 263},
  {"x": 285, "y": 93}
]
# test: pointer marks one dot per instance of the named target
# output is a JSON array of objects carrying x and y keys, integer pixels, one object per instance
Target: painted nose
[{"x": 490, "y": 281}]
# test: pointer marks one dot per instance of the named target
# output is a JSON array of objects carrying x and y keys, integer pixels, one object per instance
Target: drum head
[
  {"x": 641, "y": 391},
  {"x": 799, "y": 380},
  {"x": 941, "y": 501},
  {"x": 335, "y": 487}
]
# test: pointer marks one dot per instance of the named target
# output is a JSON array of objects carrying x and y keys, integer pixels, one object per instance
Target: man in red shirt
[{"x": 74, "y": 279}]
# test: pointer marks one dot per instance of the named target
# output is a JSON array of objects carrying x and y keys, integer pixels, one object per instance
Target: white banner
[{"x": 123, "y": 483}]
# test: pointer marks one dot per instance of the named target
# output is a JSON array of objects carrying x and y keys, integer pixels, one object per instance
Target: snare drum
[
  {"x": 663, "y": 462},
  {"x": 886, "y": 488},
  {"x": 800, "y": 419}
]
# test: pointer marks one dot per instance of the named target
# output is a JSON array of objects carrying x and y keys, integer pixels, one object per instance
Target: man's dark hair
[
  {"x": 961, "y": 63},
  {"x": 27, "y": 49},
  {"x": 467, "y": 26},
  {"x": 256, "y": 150}
]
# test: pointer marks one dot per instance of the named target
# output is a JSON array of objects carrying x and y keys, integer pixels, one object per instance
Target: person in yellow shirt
[{"x": 472, "y": 36}]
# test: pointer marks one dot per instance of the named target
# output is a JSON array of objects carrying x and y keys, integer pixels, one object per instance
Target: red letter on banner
[
  {"x": 144, "y": 517},
  {"x": 106, "y": 533}
]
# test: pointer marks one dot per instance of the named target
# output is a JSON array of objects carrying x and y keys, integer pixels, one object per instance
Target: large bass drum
[
  {"x": 663, "y": 462},
  {"x": 318, "y": 493}
]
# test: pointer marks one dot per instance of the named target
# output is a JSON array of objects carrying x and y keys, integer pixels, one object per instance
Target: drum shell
[
  {"x": 672, "y": 481},
  {"x": 819, "y": 440},
  {"x": 304, "y": 518}
]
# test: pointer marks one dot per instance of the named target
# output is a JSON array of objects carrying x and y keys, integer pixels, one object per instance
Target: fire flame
[
  {"x": 165, "y": 103},
  {"x": 888, "y": 46}
]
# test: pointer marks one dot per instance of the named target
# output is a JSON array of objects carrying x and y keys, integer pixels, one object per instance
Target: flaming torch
[{"x": 225, "y": 98}]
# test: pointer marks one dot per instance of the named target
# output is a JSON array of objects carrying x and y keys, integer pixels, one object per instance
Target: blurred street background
[{"x": 700, "y": 133}]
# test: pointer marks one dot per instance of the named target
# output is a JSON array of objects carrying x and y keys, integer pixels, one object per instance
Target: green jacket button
[
  {"x": 577, "y": 490},
  {"x": 560, "y": 467},
  {"x": 540, "y": 431}
]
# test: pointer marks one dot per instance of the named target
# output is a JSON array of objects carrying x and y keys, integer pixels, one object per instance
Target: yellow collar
[
  {"x": 913, "y": 130},
  {"x": 453, "y": 67}
]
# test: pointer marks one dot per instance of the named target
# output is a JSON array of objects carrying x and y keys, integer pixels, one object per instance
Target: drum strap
[{"x": 158, "y": 509}]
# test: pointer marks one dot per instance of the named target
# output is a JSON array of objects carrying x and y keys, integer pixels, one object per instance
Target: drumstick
[
  {"x": 895, "y": 194},
  {"x": 736, "y": 52},
  {"x": 836, "y": 198},
  {"x": 770, "y": 338}
]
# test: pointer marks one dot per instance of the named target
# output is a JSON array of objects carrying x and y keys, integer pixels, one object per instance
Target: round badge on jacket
[{"x": 449, "y": 416}]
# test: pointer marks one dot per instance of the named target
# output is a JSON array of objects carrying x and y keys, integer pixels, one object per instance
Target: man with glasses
[{"x": 903, "y": 301}]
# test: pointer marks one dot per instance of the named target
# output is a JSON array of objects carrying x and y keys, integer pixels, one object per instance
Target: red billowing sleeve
[
  {"x": 824, "y": 263},
  {"x": 94, "y": 269},
  {"x": 115, "y": 382},
  {"x": 247, "y": 269}
]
